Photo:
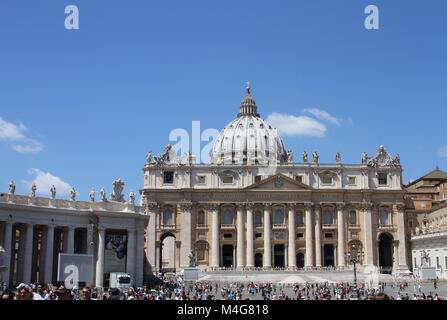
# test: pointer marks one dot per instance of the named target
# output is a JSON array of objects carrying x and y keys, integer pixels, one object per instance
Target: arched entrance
[
  {"x": 278, "y": 251},
  {"x": 386, "y": 253},
  {"x": 167, "y": 256},
  {"x": 258, "y": 260},
  {"x": 300, "y": 260},
  {"x": 328, "y": 254},
  {"x": 227, "y": 255}
]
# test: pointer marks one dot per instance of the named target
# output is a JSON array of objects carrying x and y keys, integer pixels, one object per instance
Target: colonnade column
[
  {"x": 140, "y": 257},
  {"x": 240, "y": 236},
  {"x": 215, "y": 235},
  {"x": 7, "y": 243},
  {"x": 70, "y": 239},
  {"x": 403, "y": 266},
  {"x": 152, "y": 210},
  {"x": 250, "y": 236},
  {"x": 317, "y": 236},
  {"x": 28, "y": 254},
  {"x": 49, "y": 251},
  {"x": 100, "y": 258},
  {"x": 292, "y": 234},
  {"x": 341, "y": 236},
  {"x": 309, "y": 238},
  {"x": 131, "y": 256},
  {"x": 186, "y": 230},
  {"x": 267, "y": 241}
]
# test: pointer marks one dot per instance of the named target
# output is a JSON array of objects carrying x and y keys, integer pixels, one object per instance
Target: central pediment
[{"x": 279, "y": 182}]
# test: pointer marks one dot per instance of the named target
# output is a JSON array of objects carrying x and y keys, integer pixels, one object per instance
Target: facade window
[
  {"x": 327, "y": 218},
  {"x": 299, "y": 178},
  {"x": 326, "y": 180},
  {"x": 167, "y": 217},
  {"x": 201, "y": 179},
  {"x": 228, "y": 235},
  {"x": 423, "y": 205},
  {"x": 444, "y": 196},
  {"x": 168, "y": 177},
  {"x": 437, "y": 263},
  {"x": 445, "y": 262},
  {"x": 384, "y": 217},
  {"x": 258, "y": 179},
  {"x": 299, "y": 235},
  {"x": 352, "y": 217},
  {"x": 383, "y": 179},
  {"x": 259, "y": 235},
  {"x": 227, "y": 179},
  {"x": 201, "y": 217},
  {"x": 410, "y": 224},
  {"x": 258, "y": 219},
  {"x": 279, "y": 217},
  {"x": 299, "y": 219},
  {"x": 328, "y": 235},
  {"x": 351, "y": 180},
  {"x": 228, "y": 217},
  {"x": 415, "y": 263}
]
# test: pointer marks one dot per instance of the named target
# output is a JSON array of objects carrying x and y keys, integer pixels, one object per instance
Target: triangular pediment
[{"x": 279, "y": 182}]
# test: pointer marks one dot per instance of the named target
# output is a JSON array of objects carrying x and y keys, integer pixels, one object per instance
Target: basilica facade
[{"x": 254, "y": 207}]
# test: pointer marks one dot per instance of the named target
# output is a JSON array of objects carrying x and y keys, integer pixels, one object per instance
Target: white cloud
[
  {"x": 44, "y": 181},
  {"x": 295, "y": 126},
  {"x": 15, "y": 133},
  {"x": 322, "y": 115},
  {"x": 442, "y": 152}
]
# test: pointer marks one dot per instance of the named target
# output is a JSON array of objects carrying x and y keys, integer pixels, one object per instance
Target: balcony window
[
  {"x": 299, "y": 219},
  {"x": 167, "y": 217},
  {"x": 327, "y": 218},
  {"x": 384, "y": 217},
  {"x": 352, "y": 217},
  {"x": 228, "y": 217},
  {"x": 279, "y": 217},
  {"x": 258, "y": 219}
]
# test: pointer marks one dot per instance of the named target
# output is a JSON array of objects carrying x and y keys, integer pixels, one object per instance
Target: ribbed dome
[{"x": 248, "y": 139}]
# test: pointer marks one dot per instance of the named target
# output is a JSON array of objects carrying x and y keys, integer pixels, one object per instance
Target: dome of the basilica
[{"x": 248, "y": 139}]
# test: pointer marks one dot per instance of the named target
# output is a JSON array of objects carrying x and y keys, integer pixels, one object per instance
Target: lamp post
[{"x": 353, "y": 256}]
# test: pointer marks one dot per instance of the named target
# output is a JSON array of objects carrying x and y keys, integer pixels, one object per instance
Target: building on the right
[{"x": 427, "y": 221}]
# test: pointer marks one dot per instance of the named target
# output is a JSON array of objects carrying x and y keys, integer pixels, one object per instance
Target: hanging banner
[{"x": 115, "y": 253}]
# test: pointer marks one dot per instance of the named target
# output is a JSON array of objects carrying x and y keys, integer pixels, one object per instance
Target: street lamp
[{"x": 353, "y": 256}]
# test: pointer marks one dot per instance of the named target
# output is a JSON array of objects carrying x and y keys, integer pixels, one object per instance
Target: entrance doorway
[
  {"x": 386, "y": 253},
  {"x": 258, "y": 260},
  {"x": 278, "y": 251},
  {"x": 328, "y": 253},
  {"x": 227, "y": 255},
  {"x": 300, "y": 260}
]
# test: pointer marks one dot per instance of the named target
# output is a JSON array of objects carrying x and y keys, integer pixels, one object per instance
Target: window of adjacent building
[
  {"x": 326, "y": 180},
  {"x": 228, "y": 217},
  {"x": 279, "y": 217},
  {"x": 167, "y": 217},
  {"x": 352, "y": 217},
  {"x": 201, "y": 217},
  {"x": 168, "y": 177},
  {"x": 259, "y": 235},
  {"x": 384, "y": 217},
  {"x": 383, "y": 179},
  {"x": 299, "y": 219},
  {"x": 227, "y": 179},
  {"x": 258, "y": 219},
  {"x": 201, "y": 179},
  {"x": 258, "y": 179},
  {"x": 351, "y": 180},
  {"x": 299, "y": 235},
  {"x": 327, "y": 218},
  {"x": 299, "y": 178}
]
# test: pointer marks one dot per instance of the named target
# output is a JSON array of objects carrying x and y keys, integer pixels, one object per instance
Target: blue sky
[{"x": 85, "y": 106}]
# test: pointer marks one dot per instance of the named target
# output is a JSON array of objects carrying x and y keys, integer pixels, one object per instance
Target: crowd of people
[{"x": 171, "y": 288}]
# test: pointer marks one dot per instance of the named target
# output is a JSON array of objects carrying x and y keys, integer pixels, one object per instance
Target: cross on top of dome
[{"x": 248, "y": 105}]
